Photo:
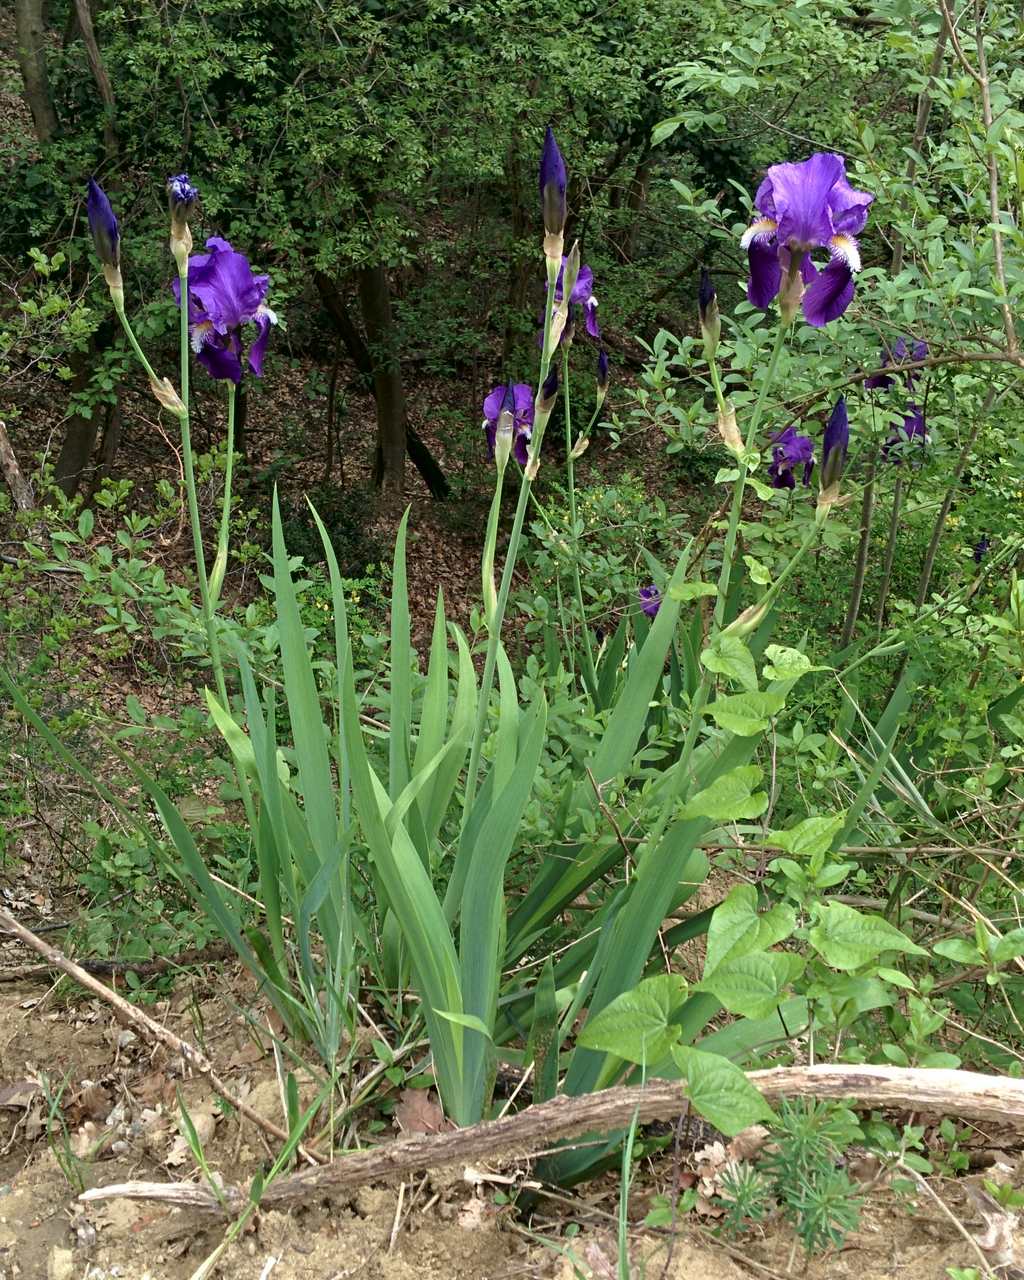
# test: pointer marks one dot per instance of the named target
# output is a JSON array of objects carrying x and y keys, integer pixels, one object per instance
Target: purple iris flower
[
  {"x": 552, "y": 185},
  {"x": 582, "y": 295},
  {"x": 789, "y": 450},
  {"x": 650, "y": 600},
  {"x": 894, "y": 358},
  {"x": 981, "y": 548},
  {"x": 802, "y": 207},
  {"x": 103, "y": 225},
  {"x": 835, "y": 444},
  {"x": 517, "y": 400},
  {"x": 223, "y": 296},
  {"x": 912, "y": 430}
]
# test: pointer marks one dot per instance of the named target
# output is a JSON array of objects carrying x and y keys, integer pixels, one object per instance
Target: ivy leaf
[
  {"x": 636, "y": 1025},
  {"x": 720, "y": 1091},
  {"x": 752, "y": 985},
  {"x": 729, "y": 797},
  {"x": 729, "y": 656},
  {"x": 786, "y": 664},
  {"x": 846, "y": 938},
  {"x": 736, "y": 928},
  {"x": 810, "y": 838},
  {"x": 745, "y": 713}
]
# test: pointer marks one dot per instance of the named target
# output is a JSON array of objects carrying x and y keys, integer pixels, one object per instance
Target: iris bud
[
  {"x": 710, "y": 320},
  {"x": 106, "y": 238},
  {"x": 602, "y": 377},
  {"x": 834, "y": 447},
  {"x": 552, "y": 195},
  {"x": 181, "y": 199},
  {"x": 504, "y": 432}
]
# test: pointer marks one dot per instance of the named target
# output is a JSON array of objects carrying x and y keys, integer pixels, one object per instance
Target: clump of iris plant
[
  {"x": 508, "y": 422},
  {"x": 650, "y": 600},
  {"x": 789, "y": 451},
  {"x": 224, "y": 298},
  {"x": 802, "y": 208}
]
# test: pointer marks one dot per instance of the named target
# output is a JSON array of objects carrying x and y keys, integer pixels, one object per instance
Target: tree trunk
[
  {"x": 80, "y": 438},
  {"x": 109, "y": 447},
  {"x": 21, "y": 489},
  {"x": 375, "y": 303},
  {"x": 28, "y": 16},
  {"x": 99, "y": 74}
]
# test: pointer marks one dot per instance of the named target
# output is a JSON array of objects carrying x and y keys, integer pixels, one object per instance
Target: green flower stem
[
  {"x": 588, "y": 652},
  {"x": 511, "y": 556},
  {"x": 490, "y": 543},
  {"x": 130, "y": 335},
  {"x": 700, "y": 698},
  {"x": 220, "y": 561}
]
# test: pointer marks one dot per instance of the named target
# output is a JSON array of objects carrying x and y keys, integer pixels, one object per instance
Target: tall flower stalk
[{"x": 552, "y": 191}]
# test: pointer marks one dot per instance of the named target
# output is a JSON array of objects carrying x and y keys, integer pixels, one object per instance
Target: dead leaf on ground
[
  {"x": 18, "y": 1094},
  {"x": 418, "y": 1111},
  {"x": 204, "y": 1123}
]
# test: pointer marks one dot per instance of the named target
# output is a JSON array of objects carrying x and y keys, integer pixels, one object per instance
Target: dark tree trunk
[
  {"x": 375, "y": 303},
  {"x": 109, "y": 447},
  {"x": 28, "y": 16},
  {"x": 363, "y": 360},
  {"x": 80, "y": 438},
  {"x": 99, "y": 74}
]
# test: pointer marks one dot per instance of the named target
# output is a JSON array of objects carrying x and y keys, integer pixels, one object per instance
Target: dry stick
[
  {"x": 867, "y": 511},
  {"x": 148, "y": 1027},
  {"x": 21, "y": 489},
  {"x": 966, "y": 1094}
]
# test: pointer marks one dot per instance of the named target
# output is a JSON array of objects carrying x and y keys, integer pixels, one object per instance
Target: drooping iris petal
[
  {"x": 219, "y": 357},
  {"x": 106, "y": 236},
  {"x": 522, "y": 402},
  {"x": 765, "y": 273},
  {"x": 263, "y": 320},
  {"x": 828, "y": 296},
  {"x": 582, "y": 295}
]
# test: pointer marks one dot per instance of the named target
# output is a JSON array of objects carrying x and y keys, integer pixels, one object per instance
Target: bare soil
[{"x": 118, "y": 1111}]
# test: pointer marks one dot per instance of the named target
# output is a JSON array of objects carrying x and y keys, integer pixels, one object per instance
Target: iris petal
[
  {"x": 830, "y": 294},
  {"x": 765, "y": 274},
  {"x": 801, "y": 193}
]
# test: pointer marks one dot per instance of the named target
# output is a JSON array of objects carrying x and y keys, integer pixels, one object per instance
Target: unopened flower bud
[
  {"x": 835, "y": 444},
  {"x": 552, "y": 195},
  {"x": 106, "y": 235},
  {"x": 749, "y": 620},
  {"x": 164, "y": 391},
  {"x": 548, "y": 393},
  {"x": 602, "y": 377},
  {"x": 181, "y": 199},
  {"x": 710, "y": 320}
]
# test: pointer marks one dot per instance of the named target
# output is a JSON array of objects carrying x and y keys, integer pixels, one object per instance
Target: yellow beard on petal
[
  {"x": 845, "y": 249},
  {"x": 757, "y": 230}
]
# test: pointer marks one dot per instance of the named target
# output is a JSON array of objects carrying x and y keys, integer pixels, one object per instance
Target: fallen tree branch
[
  {"x": 148, "y": 1027},
  {"x": 212, "y": 954},
  {"x": 966, "y": 1094}
]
